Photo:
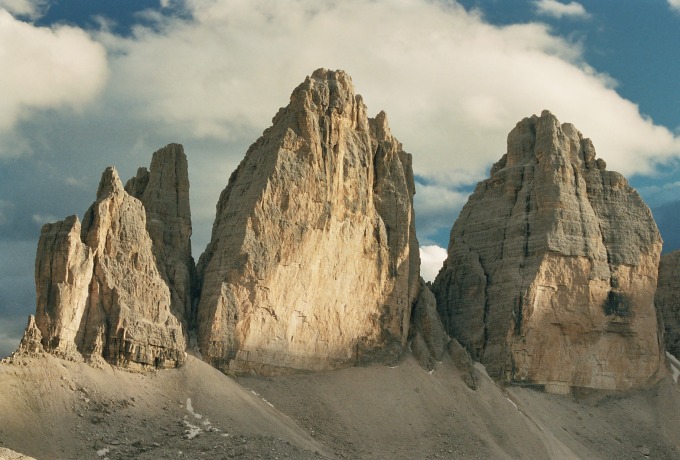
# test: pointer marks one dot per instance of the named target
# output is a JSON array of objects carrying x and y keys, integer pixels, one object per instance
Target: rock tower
[
  {"x": 552, "y": 268},
  {"x": 109, "y": 288},
  {"x": 313, "y": 261}
]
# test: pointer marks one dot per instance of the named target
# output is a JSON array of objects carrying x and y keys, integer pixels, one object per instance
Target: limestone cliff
[
  {"x": 164, "y": 191},
  {"x": 63, "y": 271},
  {"x": 551, "y": 268},
  {"x": 313, "y": 261},
  {"x": 668, "y": 300},
  {"x": 106, "y": 288}
]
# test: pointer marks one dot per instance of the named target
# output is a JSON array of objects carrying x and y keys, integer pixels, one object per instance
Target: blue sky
[{"x": 90, "y": 83}]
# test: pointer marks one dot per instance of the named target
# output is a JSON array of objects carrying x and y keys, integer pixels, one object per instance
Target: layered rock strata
[
  {"x": 668, "y": 300},
  {"x": 106, "y": 288},
  {"x": 551, "y": 268},
  {"x": 313, "y": 261}
]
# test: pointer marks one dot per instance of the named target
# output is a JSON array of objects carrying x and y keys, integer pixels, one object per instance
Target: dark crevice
[
  {"x": 487, "y": 307},
  {"x": 581, "y": 212},
  {"x": 518, "y": 314}
]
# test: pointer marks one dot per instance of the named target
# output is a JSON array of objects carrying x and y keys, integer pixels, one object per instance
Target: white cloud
[
  {"x": 31, "y": 9},
  {"x": 452, "y": 85},
  {"x": 431, "y": 261},
  {"x": 675, "y": 5},
  {"x": 46, "y": 68},
  {"x": 558, "y": 10}
]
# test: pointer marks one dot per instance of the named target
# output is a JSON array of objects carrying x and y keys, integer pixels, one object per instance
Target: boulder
[{"x": 551, "y": 268}]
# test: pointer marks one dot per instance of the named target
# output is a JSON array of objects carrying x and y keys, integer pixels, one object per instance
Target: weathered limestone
[
  {"x": 31, "y": 342},
  {"x": 551, "y": 268},
  {"x": 128, "y": 312},
  {"x": 313, "y": 262},
  {"x": 63, "y": 271},
  {"x": 164, "y": 192},
  {"x": 668, "y": 300},
  {"x": 116, "y": 287}
]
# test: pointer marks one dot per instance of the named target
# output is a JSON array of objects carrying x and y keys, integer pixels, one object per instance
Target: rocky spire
[
  {"x": 313, "y": 261},
  {"x": 99, "y": 288},
  {"x": 164, "y": 191},
  {"x": 551, "y": 268}
]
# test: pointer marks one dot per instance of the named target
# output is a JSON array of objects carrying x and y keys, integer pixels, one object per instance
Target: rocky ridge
[
  {"x": 105, "y": 288},
  {"x": 551, "y": 268},
  {"x": 313, "y": 262}
]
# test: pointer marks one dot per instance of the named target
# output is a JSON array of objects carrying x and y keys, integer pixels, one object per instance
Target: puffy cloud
[
  {"x": 453, "y": 85},
  {"x": 674, "y": 4},
  {"x": 431, "y": 261},
  {"x": 31, "y": 9},
  {"x": 558, "y": 10},
  {"x": 45, "y": 68}
]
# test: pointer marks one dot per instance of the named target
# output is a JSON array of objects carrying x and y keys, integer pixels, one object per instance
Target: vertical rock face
[
  {"x": 551, "y": 268},
  {"x": 313, "y": 262},
  {"x": 107, "y": 288},
  {"x": 164, "y": 192},
  {"x": 128, "y": 312},
  {"x": 63, "y": 271},
  {"x": 668, "y": 300}
]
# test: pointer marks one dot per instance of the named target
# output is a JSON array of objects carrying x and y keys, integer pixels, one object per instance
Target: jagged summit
[
  {"x": 106, "y": 288},
  {"x": 551, "y": 268},
  {"x": 164, "y": 191},
  {"x": 313, "y": 262}
]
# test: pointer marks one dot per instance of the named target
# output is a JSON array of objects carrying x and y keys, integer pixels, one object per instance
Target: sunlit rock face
[
  {"x": 116, "y": 286},
  {"x": 552, "y": 268},
  {"x": 313, "y": 262}
]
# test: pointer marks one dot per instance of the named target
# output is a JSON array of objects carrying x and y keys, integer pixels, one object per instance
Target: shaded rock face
[
  {"x": 668, "y": 300},
  {"x": 164, "y": 192},
  {"x": 106, "y": 288},
  {"x": 428, "y": 337},
  {"x": 551, "y": 268},
  {"x": 313, "y": 261}
]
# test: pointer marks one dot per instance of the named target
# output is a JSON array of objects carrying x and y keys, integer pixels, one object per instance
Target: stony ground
[{"x": 59, "y": 409}]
